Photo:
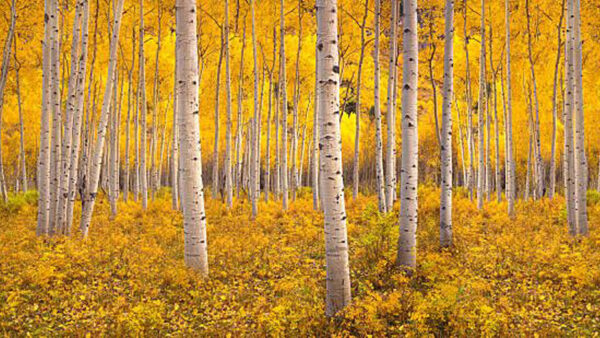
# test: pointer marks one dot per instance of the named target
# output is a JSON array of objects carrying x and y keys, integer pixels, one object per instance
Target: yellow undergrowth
[{"x": 504, "y": 276}]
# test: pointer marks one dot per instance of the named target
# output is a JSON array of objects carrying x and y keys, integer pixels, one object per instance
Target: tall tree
[
  {"x": 510, "y": 173},
  {"x": 446, "y": 135},
  {"x": 379, "y": 173},
  {"x": 91, "y": 192},
  {"x": 215, "y": 173},
  {"x": 227, "y": 166},
  {"x": 481, "y": 112},
  {"x": 8, "y": 43},
  {"x": 332, "y": 183},
  {"x": 143, "y": 173},
  {"x": 407, "y": 242},
  {"x": 194, "y": 217},
  {"x": 552, "y": 187},
  {"x": 255, "y": 165},
  {"x": 390, "y": 168},
  {"x": 284, "y": 111}
]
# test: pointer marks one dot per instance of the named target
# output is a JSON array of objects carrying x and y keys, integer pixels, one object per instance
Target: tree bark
[
  {"x": 379, "y": 173},
  {"x": 446, "y": 135},
  {"x": 227, "y": 166},
  {"x": 552, "y": 187},
  {"x": 215, "y": 173},
  {"x": 481, "y": 112},
  {"x": 284, "y": 113},
  {"x": 143, "y": 173},
  {"x": 390, "y": 172},
  {"x": 336, "y": 241},
  {"x": 510, "y": 173},
  {"x": 407, "y": 242}
]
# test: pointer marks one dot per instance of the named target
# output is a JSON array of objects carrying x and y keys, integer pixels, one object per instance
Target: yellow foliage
[{"x": 522, "y": 276}]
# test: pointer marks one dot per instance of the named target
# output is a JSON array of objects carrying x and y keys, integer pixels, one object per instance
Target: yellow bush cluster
[{"x": 522, "y": 276}]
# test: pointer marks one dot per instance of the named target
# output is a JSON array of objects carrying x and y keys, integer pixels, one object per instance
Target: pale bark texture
[
  {"x": 390, "y": 168},
  {"x": 332, "y": 183},
  {"x": 175, "y": 147},
  {"x": 255, "y": 165},
  {"x": 91, "y": 192},
  {"x": 22, "y": 155},
  {"x": 510, "y": 173},
  {"x": 569, "y": 157},
  {"x": 407, "y": 242},
  {"x": 552, "y": 186},
  {"x": 379, "y": 174},
  {"x": 143, "y": 173},
  {"x": 481, "y": 112},
  {"x": 8, "y": 43},
  {"x": 284, "y": 113},
  {"x": 227, "y": 166},
  {"x": 315, "y": 150},
  {"x": 194, "y": 217},
  {"x": 215, "y": 173},
  {"x": 446, "y": 134},
  {"x": 356, "y": 164}
]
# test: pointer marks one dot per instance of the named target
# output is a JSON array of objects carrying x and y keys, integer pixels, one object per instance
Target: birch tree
[
  {"x": 446, "y": 135},
  {"x": 407, "y": 242},
  {"x": 194, "y": 217},
  {"x": 336, "y": 241}
]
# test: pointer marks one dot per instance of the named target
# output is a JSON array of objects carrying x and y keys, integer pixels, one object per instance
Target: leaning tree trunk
[
  {"x": 510, "y": 173},
  {"x": 91, "y": 192},
  {"x": 5, "y": 64},
  {"x": 332, "y": 183},
  {"x": 379, "y": 173},
  {"x": 446, "y": 135},
  {"x": 390, "y": 172},
  {"x": 407, "y": 242},
  {"x": 194, "y": 217}
]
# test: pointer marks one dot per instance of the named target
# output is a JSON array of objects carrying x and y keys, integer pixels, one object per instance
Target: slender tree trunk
[
  {"x": 269, "y": 120},
  {"x": 175, "y": 156},
  {"x": 446, "y": 135},
  {"x": 390, "y": 172},
  {"x": 380, "y": 185},
  {"x": 336, "y": 241},
  {"x": 215, "y": 173},
  {"x": 143, "y": 173},
  {"x": 284, "y": 113},
  {"x": 481, "y": 112},
  {"x": 407, "y": 242},
  {"x": 510, "y": 173},
  {"x": 92, "y": 190},
  {"x": 255, "y": 165},
  {"x": 552, "y": 188},
  {"x": 470, "y": 138},
  {"x": 22, "y": 155},
  {"x": 569, "y": 165},
  {"x": 8, "y": 43},
  {"x": 240, "y": 121},
  {"x": 127, "y": 167},
  {"x": 461, "y": 143},
  {"x": 316, "y": 187},
  {"x": 227, "y": 167},
  {"x": 294, "y": 145},
  {"x": 154, "y": 184}
]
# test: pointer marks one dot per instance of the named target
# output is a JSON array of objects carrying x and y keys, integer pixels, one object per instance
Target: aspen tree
[
  {"x": 496, "y": 121},
  {"x": 55, "y": 100},
  {"x": 269, "y": 119},
  {"x": 215, "y": 173},
  {"x": 390, "y": 172},
  {"x": 315, "y": 150},
  {"x": 277, "y": 169},
  {"x": 303, "y": 143},
  {"x": 356, "y": 164},
  {"x": 227, "y": 166},
  {"x": 481, "y": 112},
  {"x": 154, "y": 184},
  {"x": 22, "y": 155},
  {"x": 379, "y": 173},
  {"x": 77, "y": 120},
  {"x": 446, "y": 135},
  {"x": 539, "y": 164},
  {"x": 552, "y": 187},
  {"x": 581, "y": 166},
  {"x": 469, "y": 97},
  {"x": 127, "y": 167},
  {"x": 240, "y": 122},
  {"x": 510, "y": 173},
  {"x": 143, "y": 173},
  {"x": 175, "y": 145},
  {"x": 8, "y": 43},
  {"x": 336, "y": 241},
  {"x": 91, "y": 192},
  {"x": 284, "y": 113},
  {"x": 43, "y": 163},
  {"x": 407, "y": 242},
  {"x": 255, "y": 165},
  {"x": 294, "y": 145},
  {"x": 194, "y": 217},
  {"x": 569, "y": 160}
]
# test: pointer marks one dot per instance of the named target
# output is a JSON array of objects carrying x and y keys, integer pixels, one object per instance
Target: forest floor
[{"x": 523, "y": 276}]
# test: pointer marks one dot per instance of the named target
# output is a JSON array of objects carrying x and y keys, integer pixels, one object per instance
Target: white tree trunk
[
  {"x": 380, "y": 185},
  {"x": 569, "y": 156},
  {"x": 143, "y": 173},
  {"x": 552, "y": 187},
  {"x": 356, "y": 167},
  {"x": 284, "y": 113},
  {"x": 127, "y": 166},
  {"x": 407, "y": 243},
  {"x": 446, "y": 135},
  {"x": 215, "y": 173},
  {"x": 8, "y": 43},
  {"x": 194, "y": 217},
  {"x": 510, "y": 173},
  {"x": 92, "y": 190},
  {"x": 481, "y": 112},
  {"x": 255, "y": 145},
  {"x": 390, "y": 172},
  {"x": 55, "y": 98},
  {"x": 269, "y": 119},
  {"x": 227, "y": 166},
  {"x": 332, "y": 183}
]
